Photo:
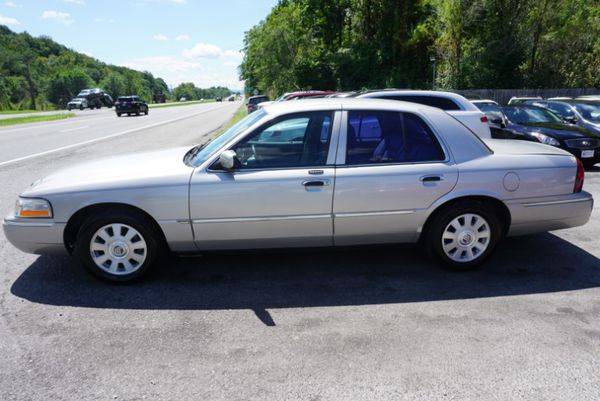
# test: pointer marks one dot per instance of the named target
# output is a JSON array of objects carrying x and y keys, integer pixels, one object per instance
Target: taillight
[
  {"x": 484, "y": 119},
  {"x": 579, "y": 176}
]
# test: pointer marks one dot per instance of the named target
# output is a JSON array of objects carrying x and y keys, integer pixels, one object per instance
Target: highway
[{"x": 349, "y": 324}]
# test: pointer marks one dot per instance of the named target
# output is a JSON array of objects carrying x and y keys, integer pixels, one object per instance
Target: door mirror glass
[{"x": 227, "y": 160}]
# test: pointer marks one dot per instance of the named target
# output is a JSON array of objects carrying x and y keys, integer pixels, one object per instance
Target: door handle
[
  {"x": 431, "y": 178},
  {"x": 315, "y": 183}
]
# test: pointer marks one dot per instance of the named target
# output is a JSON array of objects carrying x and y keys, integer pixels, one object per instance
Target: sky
[{"x": 197, "y": 41}]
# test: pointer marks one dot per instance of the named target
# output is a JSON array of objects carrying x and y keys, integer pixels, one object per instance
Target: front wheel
[
  {"x": 117, "y": 245},
  {"x": 118, "y": 114},
  {"x": 146, "y": 111},
  {"x": 463, "y": 236}
]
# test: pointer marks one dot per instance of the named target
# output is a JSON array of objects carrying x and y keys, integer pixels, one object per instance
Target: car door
[
  {"x": 279, "y": 195},
  {"x": 390, "y": 168}
]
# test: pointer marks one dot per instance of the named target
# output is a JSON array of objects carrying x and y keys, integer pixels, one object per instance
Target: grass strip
[{"x": 34, "y": 119}]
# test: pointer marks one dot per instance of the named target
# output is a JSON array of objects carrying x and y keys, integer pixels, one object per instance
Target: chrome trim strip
[
  {"x": 254, "y": 219},
  {"x": 365, "y": 214},
  {"x": 558, "y": 202},
  {"x": 27, "y": 223}
]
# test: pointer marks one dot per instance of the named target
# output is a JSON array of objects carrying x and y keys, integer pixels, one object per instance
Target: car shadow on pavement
[{"x": 260, "y": 281}]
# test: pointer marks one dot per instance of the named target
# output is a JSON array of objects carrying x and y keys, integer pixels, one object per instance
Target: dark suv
[
  {"x": 254, "y": 101},
  {"x": 130, "y": 105}
]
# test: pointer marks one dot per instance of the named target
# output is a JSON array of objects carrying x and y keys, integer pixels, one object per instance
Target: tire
[
  {"x": 471, "y": 243},
  {"x": 69, "y": 108},
  {"x": 137, "y": 113},
  {"x": 80, "y": 107},
  {"x": 118, "y": 114},
  {"x": 146, "y": 111},
  {"x": 131, "y": 245}
]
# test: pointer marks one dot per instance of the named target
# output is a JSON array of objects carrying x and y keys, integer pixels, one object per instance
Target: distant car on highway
[
  {"x": 585, "y": 114},
  {"x": 328, "y": 172},
  {"x": 130, "y": 105},
  {"x": 77, "y": 103},
  {"x": 535, "y": 123},
  {"x": 454, "y": 104},
  {"x": 253, "y": 102},
  {"x": 219, "y": 99}
]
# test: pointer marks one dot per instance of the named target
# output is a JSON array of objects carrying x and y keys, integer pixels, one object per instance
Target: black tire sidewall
[
  {"x": 94, "y": 223},
  {"x": 441, "y": 221}
]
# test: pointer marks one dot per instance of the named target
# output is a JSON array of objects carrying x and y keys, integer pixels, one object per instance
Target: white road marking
[
  {"x": 47, "y": 152},
  {"x": 75, "y": 129}
]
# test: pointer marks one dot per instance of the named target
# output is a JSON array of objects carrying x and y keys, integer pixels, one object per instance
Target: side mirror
[{"x": 228, "y": 160}]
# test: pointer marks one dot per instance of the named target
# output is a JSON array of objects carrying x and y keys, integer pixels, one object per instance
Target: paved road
[{"x": 359, "y": 324}]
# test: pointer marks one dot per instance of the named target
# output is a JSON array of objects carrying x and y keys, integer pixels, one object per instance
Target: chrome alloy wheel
[
  {"x": 118, "y": 249},
  {"x": 466, "y": 238}
]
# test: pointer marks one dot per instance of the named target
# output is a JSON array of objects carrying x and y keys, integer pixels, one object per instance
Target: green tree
[
  {"x": 66, "y": 84},
  {"x": 113, "y": 84}
]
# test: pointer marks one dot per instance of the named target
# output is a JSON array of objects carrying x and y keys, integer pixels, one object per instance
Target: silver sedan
[{"x": 314, "y": 173}]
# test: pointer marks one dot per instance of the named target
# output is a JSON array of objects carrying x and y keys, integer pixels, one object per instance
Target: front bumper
[
  {"x": 35, "y": 236},
  {"x": 539, "y": 215}
]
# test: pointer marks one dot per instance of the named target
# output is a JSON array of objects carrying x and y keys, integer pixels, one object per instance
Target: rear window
[
  {"x": 257, "y": 100},
  {"x": 432, "y": 101}
]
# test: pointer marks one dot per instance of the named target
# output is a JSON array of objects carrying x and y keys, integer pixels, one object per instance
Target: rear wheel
[
  {"x": 118, "y": 114},
  {"x": 80, "y": 107},
  {"x": 146, "y": 111},
  {"x": 117, "y": 246},
  {"x": 464, "y": 235}
]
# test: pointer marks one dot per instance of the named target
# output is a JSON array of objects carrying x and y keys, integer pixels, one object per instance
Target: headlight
[
  {"x": 33, "y": 208},
  {"x": 545, "y": 139}
]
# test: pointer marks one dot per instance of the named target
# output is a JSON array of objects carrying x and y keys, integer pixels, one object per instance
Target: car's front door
[
  {"x": 391, "y": 168},
  {"x": 280, "y": 194}
]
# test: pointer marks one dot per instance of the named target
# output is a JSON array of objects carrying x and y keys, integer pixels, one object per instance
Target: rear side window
[
  {"x": 432, "y": 101},
  {"x": 376, "y": 137}
]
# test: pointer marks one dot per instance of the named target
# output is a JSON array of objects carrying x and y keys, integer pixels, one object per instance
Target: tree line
[
  {"x": 39, "y": 73},
  {"x": 464, "y": 44},
  {"x": 189, "y": 91}
]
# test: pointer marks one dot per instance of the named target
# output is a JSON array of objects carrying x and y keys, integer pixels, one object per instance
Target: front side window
[
  {"x": 299, "y": 140},
  {"x": 561, "y": 109},
  {"x": 375, "y": 137}
]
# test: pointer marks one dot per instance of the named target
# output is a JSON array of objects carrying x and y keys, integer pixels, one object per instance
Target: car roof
[
  {"x": 461, "y": 100},
  {"x": 483, "y": 101},
  {"x": 278, "y": 108}
]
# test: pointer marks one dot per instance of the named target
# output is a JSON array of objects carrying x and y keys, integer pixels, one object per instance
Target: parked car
[
  {"x": 77, "y": 103},
  {"x": 585, "y": 114},
  {"x": 130, "y": 105},
  {"x": 496, "y": 118},
  {"x": 521, "y": 100},
  {"x": 539, "y": 124},
  {"x": 183, "y": 99},
  {"x": 219, "y": 99},
  {"x": 312, "y": 94},
  {"x": 595, "y": 98},
  {"x": 253, "y": 102},
  {"x": 455, "y": 105},
  {"x": 293, "y": 175}
]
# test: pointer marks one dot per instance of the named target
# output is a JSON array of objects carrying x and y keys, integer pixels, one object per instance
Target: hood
[
  {"x": 158, "y": 168},
  {"x": 556, "y": 130}
]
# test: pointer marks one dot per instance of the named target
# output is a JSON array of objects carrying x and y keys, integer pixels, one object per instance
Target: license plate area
[{"x": 587, "y": 154}]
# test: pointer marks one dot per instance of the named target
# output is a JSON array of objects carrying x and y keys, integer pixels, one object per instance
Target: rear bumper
[
  {"x": 39, "y": 237},
  {"x": 540, "y": 215}
]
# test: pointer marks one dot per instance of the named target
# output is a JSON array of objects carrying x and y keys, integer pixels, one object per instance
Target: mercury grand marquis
[{"x": 329, "y": 172}]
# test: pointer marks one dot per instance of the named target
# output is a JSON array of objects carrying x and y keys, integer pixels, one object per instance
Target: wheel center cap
[
  {"x": 119, "y": 249},
  {"x": 466, "y": 238}
]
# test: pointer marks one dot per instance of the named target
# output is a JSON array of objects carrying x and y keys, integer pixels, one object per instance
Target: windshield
[
  {"x": 529, "y": 115},
  {"x": 589, "y": 111},
  {"x": 201, "y": 153},
  {"x": 489, "y": 107}
]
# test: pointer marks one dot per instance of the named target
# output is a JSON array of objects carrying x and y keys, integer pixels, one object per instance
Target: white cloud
[
  {"x": 78, "y": 2},
  {"x": 207, "y": 50},
  {"x": 64, "y": 18},
  {"x": 160, "y": 38},
  {"x": 8, "y": 21},
  {"x": 108, "y": 21},
  {"x": 182, "y": 37},
  {"x": 161, "y": 64},
  {"x": 203, "y": 50},
  {"x": 177, "y": 1},
  {"x": 12, "y": 4}
]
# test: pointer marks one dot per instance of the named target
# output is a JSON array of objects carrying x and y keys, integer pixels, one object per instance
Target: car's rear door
[
  {"x": 390, "y": 168},
  {"x": 281, "y": 193}
]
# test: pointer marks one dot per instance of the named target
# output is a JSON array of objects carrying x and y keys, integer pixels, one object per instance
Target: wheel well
[
  {"x": 497, "y": 205},
  {"x": 75, "y": 222}
]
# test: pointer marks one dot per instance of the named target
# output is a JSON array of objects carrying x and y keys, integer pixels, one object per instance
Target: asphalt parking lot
[{"x": 349, "y": 324}]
